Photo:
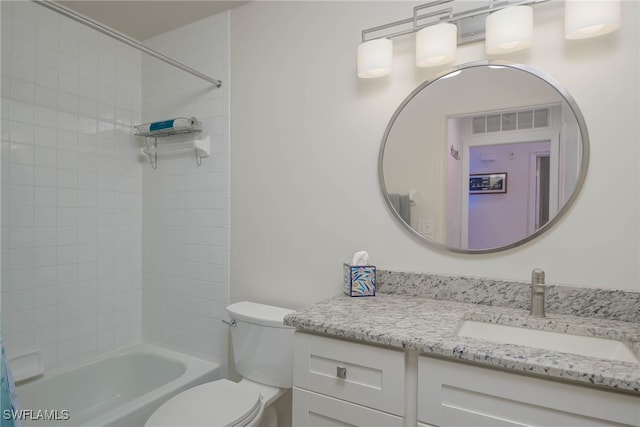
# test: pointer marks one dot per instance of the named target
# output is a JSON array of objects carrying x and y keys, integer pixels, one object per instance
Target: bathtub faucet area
[{"x": 537, "y": 292}]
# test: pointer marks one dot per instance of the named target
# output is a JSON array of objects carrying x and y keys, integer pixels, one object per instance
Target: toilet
[{"x": 263, "y": 354}]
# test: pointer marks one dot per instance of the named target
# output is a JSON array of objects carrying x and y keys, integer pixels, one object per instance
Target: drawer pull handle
[{"x": 341, "y": 372}]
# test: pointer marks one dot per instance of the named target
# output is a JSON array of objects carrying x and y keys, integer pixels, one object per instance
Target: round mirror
[{"x": 483, "y": 158}]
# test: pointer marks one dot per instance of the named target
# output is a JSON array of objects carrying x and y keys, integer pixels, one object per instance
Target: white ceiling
[{"x": 142, "y": 19}]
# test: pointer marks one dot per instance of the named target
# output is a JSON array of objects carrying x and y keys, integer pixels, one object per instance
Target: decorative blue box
[{"x": 359, "y": 280}]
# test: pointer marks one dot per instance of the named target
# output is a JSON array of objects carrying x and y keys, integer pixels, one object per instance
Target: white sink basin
[{"x": 548, "y": 340}]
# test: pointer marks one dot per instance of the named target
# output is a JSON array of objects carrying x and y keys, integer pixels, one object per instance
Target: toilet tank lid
[{"x": 260, "y": 314}]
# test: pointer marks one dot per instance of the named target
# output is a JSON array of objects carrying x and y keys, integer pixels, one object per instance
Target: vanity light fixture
[
  {"x": 375, "y": 58},
  {"x": 584, "y": 19},
  {"x": 509, "y": 30},
  {"x": 436, "y": 44},
  {"x": 507, "y": 26}
]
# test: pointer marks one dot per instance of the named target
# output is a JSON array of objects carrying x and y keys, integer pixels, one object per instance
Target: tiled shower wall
[
  {"x": 71, "y": 187},
  {"x": 185, "y": 284}
]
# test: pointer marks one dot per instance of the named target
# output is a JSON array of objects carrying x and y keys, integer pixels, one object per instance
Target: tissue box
[{"x": 359, "y": 280}]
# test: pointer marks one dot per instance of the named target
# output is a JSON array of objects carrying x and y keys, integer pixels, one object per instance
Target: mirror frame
[{"x": 584, "y": 163}]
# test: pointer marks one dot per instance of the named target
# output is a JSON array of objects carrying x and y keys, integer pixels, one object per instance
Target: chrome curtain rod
[{"x": 124, "y": 39}]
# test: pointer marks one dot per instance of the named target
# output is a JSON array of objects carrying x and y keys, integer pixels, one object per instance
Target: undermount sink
[{"x": 548, "y": 340}]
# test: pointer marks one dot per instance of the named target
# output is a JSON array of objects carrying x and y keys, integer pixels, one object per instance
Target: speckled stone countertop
[{"x": 429, "y": 326}]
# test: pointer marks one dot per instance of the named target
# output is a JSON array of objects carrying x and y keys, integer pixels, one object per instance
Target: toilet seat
[{"x": 218, "y": 403}]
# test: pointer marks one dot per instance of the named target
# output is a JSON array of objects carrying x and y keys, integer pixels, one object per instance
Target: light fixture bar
[{"x": 446, "y": 15}]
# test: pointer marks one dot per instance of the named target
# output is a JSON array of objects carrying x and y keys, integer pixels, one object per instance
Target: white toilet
[{"x": 263, "y": 354}]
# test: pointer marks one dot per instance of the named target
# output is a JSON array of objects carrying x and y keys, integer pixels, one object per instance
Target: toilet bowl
[{"x": 263, "y": 352}]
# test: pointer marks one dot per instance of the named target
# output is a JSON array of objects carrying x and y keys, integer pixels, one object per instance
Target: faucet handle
[
  {"x": 537, "y": 276},
  {"x": 537, "y": 293}
]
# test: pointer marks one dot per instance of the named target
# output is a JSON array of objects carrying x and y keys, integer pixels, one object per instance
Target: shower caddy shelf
[{"x": 200, "y": 146}]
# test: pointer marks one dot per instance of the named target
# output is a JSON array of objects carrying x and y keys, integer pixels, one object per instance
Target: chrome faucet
[{"x": 537, "y": 293}]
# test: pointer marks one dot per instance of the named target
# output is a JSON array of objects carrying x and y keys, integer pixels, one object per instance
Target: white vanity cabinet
[
  {"x": 457, "y": 394},
  {"x": 338, "y": 382}
]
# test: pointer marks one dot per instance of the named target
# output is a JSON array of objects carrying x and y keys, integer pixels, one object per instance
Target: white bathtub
[{"x": 121, "y": 389}]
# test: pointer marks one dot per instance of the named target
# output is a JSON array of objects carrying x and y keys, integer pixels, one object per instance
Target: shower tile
[
  {"x": 87, "y": 199},
  {"x": 21, "y": 237},
  {"x": 68, "y": 102},
  {"x": 45, "y": 315},
  {"x": 23, "y": 341},
  {"x": 87, "y": 344},
  {"x": 45, "y": 156},
  {"x": 68, "y": 255},
  {"x": 47, "y": 75},
  {"x": 21, "y": 133},
  {"x": 22, "y": 112},
  {"x": 87, "y": 292},
  {"x": 45, "y": 137},
  {"x": 68, "y": 62},
  {"x": 45, "y": 256},
  {"x": 47, "y": 37},
  {"x": 19, "y": 195},
  {"x": 55, "y": 75},
  {"x": 45, "y": 236},
  {"x": 21, "y": 90},
  {"x": 17, "y": 279},
  {"x": 67, "y": 198},
  {"x": 105, "y": 340},
  {"x": 45, "y": 216},
  {"x": 67, "y": 235},
  {"x": 67, "y": 159},
  {"x": 67, "y": 291},
  {"x": 23, "y": 46},
  {"x": 67, "y": 312},
  {"x": 21, "y": 153},
  {"x": 87, "y": 216},
  {"x": 45, "y": 176},
  {"x": 22, "y": 70},
  {"x": 19, "y": 321},
  {"x": 21, "y": 216},
  {"x": 67, "y": 121},
  {"x": 45, "y": 116},
  {"x": 87, "y": 254},
  {"x": 45, "y": 277},
  {"x": 67, "y": 352},
  {"x": 88, "y": 89}
]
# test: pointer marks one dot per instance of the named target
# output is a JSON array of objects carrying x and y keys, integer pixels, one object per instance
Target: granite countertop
[{"x": 429, "y": 326}]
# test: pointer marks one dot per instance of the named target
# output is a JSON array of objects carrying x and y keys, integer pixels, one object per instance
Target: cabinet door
[
  {"x": 313, "y": 409},
  {"x": 458, "y": 394},
  {"x": 364, "y": 374}
]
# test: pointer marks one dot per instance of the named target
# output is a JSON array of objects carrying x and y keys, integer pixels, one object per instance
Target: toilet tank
[{"x": 262, "y": 344}]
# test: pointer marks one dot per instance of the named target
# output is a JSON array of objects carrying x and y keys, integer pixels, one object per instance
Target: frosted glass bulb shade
[
  {"x": 590, "y": 18},
  {"x": 509, "y": 30},
  {"x": 436, "y": 45},
  {"x": 374, "y": 58}
]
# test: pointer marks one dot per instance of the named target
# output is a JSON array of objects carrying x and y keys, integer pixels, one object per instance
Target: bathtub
[{"x": 120, "y": 389}]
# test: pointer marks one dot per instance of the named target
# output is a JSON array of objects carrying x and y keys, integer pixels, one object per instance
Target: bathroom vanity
[{"x": 400, "y": 360}]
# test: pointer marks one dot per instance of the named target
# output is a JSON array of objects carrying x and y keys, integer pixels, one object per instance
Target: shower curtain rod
[{"x": 124, "y": 39}]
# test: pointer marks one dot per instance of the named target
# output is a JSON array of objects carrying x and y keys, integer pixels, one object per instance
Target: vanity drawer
[
  {"x": 313, "y": 409},
  {"x": 453, "y": 394},
  {"x": 364, "y": 374}
]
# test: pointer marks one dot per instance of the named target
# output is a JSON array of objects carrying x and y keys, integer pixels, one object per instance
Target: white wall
[
  {"x": 71, "y": 188},
  {"x": 306, "y": 134},
  {"x": 185, "y": 216}
]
